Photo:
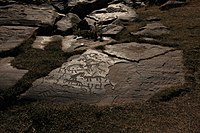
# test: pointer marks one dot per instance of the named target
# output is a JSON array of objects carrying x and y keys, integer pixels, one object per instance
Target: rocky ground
[{"x": 99, "y": 66}]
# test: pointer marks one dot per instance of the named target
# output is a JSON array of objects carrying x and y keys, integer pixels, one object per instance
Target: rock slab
[
  {"x": 13, "y": 36},
  {"x": 153, "y": 29},
  {"x": 122, "y": 73},
  {"x": 27, "y": 15},
  {"x": 8, "y": 74},
  {"x": 82, "y": 79}
]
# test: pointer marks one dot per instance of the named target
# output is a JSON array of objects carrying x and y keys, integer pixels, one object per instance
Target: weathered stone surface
[
  {"x": 153, "y": 29},
  {"x": 137, "y": 73},
  {"x": 66, "y": 24},
  {"x": 112, "y": 30},
  {"x": 136, "y": 51},
  {"x": 13, "y": 36},
  {"x": 140, "y": 81},
  {"x": 172, "y": 4},
  {"x": 8, "y": 74},
  {"x": 111, "y": 13},
  {"x": 82, "y": 79},
  {"x": 27, "y": 15},
  {"x": 73, "y": 43},
  {"x": 42, "y": 41}
]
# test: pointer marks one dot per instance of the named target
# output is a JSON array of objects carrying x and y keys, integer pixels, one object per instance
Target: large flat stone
[
  {"x": 152, "y": 29},
  {"x": 136, "y": 51},
  {"x": 8, "y": 74},
  {"x": 82, "y": 79},
  {"x": 136, "y": 74},
  {"x": 27, "y": 15},
  {"x": 13, "y": 36},
  {"x": 140, "y": 81}
]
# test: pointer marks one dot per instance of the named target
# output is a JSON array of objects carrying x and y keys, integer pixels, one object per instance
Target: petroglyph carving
[{"x": 86, "y": 73}]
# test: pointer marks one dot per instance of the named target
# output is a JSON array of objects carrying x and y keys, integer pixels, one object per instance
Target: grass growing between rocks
[
  {"x": 169, "y": 111},
  {"x": 38, "y": 62}
]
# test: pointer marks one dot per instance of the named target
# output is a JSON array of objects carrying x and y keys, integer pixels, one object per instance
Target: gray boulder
[{"x": 67, "y": 23}]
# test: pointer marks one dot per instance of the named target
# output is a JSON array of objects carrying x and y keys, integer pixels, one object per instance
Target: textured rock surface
[
  {"x": 153, "y": 29},
  {"x": 83, "y": 78},
  {"x": 66, "y": 24},
  {"x": 27, "y": 15},
  {"x": 136, "y": 51},
  {"x": 13, "y": 36},
  {"x": 42, "y": 41},
  {"x": 111, "y": 13},
  {"x": 8, "y": 74},
  {"x": 135, "y": 72},
  {"x": 112, "y": 30},
  {"x": 140, "y": 81}
]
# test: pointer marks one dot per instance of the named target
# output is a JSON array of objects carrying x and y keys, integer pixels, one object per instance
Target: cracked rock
[
  {"x": 8, "y": 74},
  {"x": 124, "y": 73},
  {"x": 140, "y": 81},
  {"x": 136, "y": 51},
  {"x": 82, "y": 79},
  {"x": 13, "y": 36}
]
